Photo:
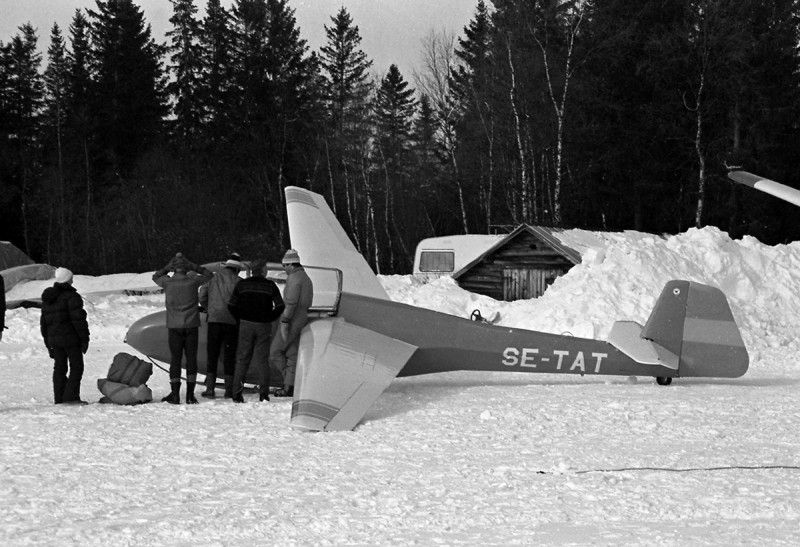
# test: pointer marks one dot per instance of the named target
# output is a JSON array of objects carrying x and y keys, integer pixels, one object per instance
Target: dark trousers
[
  {"x": 254, "y": 339},
  {"x": 183, "y": 341},
  {"x": 67, "y": 388},
  {"x": 222, "y": 338}
]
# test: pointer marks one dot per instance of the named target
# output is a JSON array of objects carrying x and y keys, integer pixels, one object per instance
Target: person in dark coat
[
  {"x": 183, "y": 321},
  {"x": 66, "y": 334},
  {"x": 256, "y": 302},
  {"x": 223, "y": 331},
  {"x": 2, "y": 306},
  {"x": 298, "y": 295}
]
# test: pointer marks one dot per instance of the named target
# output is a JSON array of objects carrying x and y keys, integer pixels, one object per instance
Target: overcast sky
[{"x": 391, "y": 30}]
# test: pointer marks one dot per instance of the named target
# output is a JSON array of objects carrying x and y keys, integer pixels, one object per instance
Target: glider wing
[
  {"x": 341, "y": 370},
  {"x": 781, "y": 191}
]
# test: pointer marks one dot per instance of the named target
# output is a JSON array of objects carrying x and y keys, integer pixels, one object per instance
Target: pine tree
[
  {"x": 80, "y": 119},
  {"x": 394, "y": 113},
  {"x": 24, "y": 96},
  {"x": 56, "y": 82},
  {"x": 346, "y": 71},
  {"x": 216, "y": 90},
  {"x": 275, "y": 83},
  {"x": 470, "y": 140},
  {"x": 129, "y": 98},
  {"x": 186, "y": 68},
  {"x": 427, "y": 171},
  {"x": 345, "y": 68},
  {"x": 8, "y": 208}
]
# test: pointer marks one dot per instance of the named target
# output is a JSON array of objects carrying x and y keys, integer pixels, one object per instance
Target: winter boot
[
  {"x": 238, "y": 398},
  {"x": 174, "y": 398},
  {"x": 190, "y": 398},
  {"x": 228, "y": 386},
  {"x": 211, "y": 382}
]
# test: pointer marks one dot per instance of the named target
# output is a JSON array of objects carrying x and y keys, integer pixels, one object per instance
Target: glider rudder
[{"x": 695, "y": 322}]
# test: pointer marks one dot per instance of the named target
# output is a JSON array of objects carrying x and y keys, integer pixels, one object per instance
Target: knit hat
[
  {"x": 291, "y": 257},
  {"x": 63, "y": 275},
  {"x": 179, "y": 263},
  {"x": 234, "y": 264}
]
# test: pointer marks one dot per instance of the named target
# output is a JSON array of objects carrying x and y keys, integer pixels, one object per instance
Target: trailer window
[{"x": 436, "y": 261}]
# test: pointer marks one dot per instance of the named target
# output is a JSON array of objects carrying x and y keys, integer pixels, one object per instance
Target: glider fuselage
[{"x": 448, "y": 343}]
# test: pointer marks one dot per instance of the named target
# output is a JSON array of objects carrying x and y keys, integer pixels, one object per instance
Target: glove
[{"x": 84, "y": 347}]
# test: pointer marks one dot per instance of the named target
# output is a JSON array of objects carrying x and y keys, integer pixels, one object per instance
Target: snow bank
[{"x": 447, "y": 459}]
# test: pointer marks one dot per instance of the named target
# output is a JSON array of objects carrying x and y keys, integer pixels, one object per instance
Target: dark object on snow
[
  {"x": 129, "y": 370},
  {"x": 121, "y": 394},
  {"x": 125, "y": 384}
]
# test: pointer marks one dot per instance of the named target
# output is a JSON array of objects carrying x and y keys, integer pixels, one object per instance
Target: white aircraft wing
[
  {"x": 781, "y": 191},
  {"x": 341, "y": 370},
  {"x": 320, "y": 240}
]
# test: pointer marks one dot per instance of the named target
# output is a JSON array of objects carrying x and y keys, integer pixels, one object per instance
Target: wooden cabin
[{"x": 518, "y": 266}]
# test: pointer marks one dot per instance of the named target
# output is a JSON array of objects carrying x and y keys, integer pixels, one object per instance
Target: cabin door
[{"x": 526, "y": 283}]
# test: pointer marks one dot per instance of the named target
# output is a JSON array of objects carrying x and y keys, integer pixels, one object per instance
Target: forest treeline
[{"x": 117, "y": 150}]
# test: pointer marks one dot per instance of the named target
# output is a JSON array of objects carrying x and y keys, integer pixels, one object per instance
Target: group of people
[{"x": 243, "y": 326}]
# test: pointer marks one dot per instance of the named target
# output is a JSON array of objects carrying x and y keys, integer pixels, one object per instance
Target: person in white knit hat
[
  {"x": 66, "y": 334},
  {"x": 297, "y": 297}
]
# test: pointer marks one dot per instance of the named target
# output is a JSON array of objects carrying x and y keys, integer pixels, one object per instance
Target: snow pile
[{"x": 457, "y": 458}]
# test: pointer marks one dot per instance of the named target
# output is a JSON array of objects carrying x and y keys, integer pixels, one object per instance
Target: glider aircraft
[{"x": 359, "y": 340}]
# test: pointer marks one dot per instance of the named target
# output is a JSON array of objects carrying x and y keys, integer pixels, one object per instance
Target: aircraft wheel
[{"x": 663, "y": 380}]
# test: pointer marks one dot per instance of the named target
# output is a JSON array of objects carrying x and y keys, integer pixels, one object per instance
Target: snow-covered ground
[{"x": 450, "y": 459}]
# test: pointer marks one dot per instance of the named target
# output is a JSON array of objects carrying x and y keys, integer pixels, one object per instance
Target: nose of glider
[{"x": 149, "y": 334}]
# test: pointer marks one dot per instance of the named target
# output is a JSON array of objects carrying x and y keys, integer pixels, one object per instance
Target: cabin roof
[{"x": 544, "y": 233}]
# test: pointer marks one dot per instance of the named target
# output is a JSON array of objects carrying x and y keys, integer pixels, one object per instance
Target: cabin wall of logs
[{"x": 521, "y": 268}]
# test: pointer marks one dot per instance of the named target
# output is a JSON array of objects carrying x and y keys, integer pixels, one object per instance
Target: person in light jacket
[
  {"x": 222, "y": 326},
  {"x": 66, "y": 334},
  {"x": 183, "y": 321},
  {"x": 298, "y": 295}
]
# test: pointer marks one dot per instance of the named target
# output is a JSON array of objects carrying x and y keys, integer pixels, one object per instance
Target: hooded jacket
[{"x": 63, "y": 323}]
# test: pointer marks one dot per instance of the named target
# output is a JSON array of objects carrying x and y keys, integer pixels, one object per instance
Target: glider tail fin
[
  {"x": 694, "y": 322},
  {"x": 321, "y": 241}
]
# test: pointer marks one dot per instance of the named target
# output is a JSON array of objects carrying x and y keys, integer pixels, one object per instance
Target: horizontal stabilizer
[
  {"x": 780, "y": 191},
  {"x": 341, "y": 371},
  {"x": 626, "y": 336}
]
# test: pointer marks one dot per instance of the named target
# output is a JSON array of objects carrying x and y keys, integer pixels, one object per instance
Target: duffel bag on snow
[
  {"x": 129, "y": 370},
  {"x": 122, "y": 394}
]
